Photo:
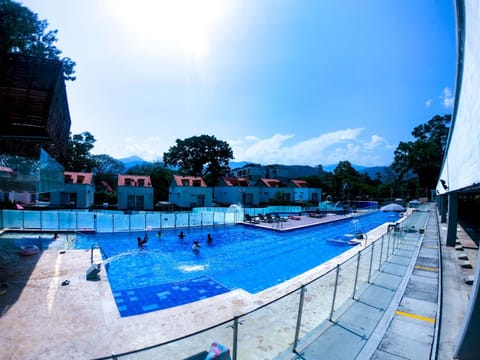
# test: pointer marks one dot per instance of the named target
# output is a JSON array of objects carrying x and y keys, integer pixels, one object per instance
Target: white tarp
[{"x": 461, "y": 166}]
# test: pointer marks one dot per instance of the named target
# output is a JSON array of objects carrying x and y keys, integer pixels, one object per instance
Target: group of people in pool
[
  {"x": 196, "y": 244},
  {"x": 195, "y": 247}
]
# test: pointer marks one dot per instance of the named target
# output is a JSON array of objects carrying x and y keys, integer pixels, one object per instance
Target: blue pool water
[{"x": 168, "y": 273}]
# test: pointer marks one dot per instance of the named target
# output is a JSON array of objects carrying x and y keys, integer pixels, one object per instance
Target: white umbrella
[{"x": 393, "y": 207}]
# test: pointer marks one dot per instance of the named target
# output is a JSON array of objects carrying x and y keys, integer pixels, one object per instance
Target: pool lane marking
[
  {"x": 414, "y": 316},
  {"x": 426, "y": 268}
]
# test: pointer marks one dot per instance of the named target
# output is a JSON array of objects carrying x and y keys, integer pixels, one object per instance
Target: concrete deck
[{"x": 41, "y": 319}]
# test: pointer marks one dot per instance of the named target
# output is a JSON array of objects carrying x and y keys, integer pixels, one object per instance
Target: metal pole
[
  {"x": 299, "y": 317},
  {"x": 371, "y": 262},
  {"x": 388, "y": 248},
  {"x": 334, "y": 292},
  {"x": 381, "y": 253},
  {"x": 356, "y": 275},
  {"x": 235, "y": 338}
]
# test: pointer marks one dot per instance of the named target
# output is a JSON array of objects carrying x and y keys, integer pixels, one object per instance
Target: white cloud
[
  {"x": 329, "y": 148},
  {"x": 428, "y": 102},
  {"x": 447, "y": 98}
]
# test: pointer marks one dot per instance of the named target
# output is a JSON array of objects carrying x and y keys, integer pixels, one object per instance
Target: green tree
[
  {"x": 346, "y": 180},
  {"x": 21, "y": 32},
  {"x": 105, "y": 164},
  {"x": 423, "y": 156},
  {"x": 200, "y": 156},
  {"x": 78, "y": 156}
]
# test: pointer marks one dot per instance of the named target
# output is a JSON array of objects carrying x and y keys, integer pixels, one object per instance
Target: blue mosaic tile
[{"x": 142, "y": 300}]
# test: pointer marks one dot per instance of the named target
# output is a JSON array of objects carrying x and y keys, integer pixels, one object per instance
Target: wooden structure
[{"x": 33, "y": 106}]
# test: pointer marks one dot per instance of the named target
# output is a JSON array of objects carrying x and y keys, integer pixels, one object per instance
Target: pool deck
[
  {"x": 297, "y": 222},
  {"x": 41, "y": 319}
]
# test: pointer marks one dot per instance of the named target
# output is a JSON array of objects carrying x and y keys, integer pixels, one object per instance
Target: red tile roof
[
  {"x": 134, "y": 180},
  {"x": 78, "y": 178},
  {"x": 234, "y": 181},
  {"x": 196, "y": 181},
  {"x": 274, "y": 183},
  {"x": 6, "y": 170},
  {"x": 106, "y": 185},
  {"x": 300, "y": 183}
]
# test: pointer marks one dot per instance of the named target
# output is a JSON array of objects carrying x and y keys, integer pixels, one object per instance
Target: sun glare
[{"x": 166, "y": 28}]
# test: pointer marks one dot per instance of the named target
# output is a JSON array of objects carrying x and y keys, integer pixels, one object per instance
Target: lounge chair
[
  {"x": 279, "y": 218},
  {"x": 251, "y": 219},
  {"x": 263, "y": 218},
  {"x": 269, "y": 218}
]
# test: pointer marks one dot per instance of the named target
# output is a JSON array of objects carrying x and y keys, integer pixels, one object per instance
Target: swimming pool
[{"x": 168, "y": 273}]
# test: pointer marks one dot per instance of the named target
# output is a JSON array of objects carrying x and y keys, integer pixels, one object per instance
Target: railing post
[
  {"x": 388, "y": 248},
  {"x": 381, "y": 253},
  {"x": 359, "y": 254},
  {"x": 235, "y": 338},
  {"x": 299, "y": 317},
  {"x": 334, "y": 292},
  {"x": 371, "y": 262}
]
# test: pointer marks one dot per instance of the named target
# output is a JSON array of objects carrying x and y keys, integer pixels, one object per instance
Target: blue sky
[{"x": 302, "y": 82}]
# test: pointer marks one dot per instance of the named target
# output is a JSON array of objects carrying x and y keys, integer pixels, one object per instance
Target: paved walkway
[
  {"x": 394, "y": 316},
  {"x": 398, "y": 315}
]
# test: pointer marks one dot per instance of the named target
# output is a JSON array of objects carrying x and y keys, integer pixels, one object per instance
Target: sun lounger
[{"x": 251, "y": 219}]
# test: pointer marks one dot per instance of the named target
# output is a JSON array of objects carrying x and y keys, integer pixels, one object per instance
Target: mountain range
[{"x": 294, "y": 170}]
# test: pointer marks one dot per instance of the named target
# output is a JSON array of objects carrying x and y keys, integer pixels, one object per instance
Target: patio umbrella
[{"x": 393, "y": 207}]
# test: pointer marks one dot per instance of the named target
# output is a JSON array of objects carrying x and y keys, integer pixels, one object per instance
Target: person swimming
[
  {"x": 181, "y": 235},
  {"x": 141, "y": 242},
  {"x": 209, "y": 238},
  {"x": 196, "y": 246}
]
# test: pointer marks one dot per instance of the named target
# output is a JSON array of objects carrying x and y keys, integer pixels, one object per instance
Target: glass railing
[{"x": 68, "y": 220}]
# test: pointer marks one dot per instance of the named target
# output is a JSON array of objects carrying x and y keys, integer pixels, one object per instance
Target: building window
[{"x": 135, "y": 201}]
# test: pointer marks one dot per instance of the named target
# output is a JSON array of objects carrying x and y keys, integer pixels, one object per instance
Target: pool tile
[{"x": 142, "y": 300}]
